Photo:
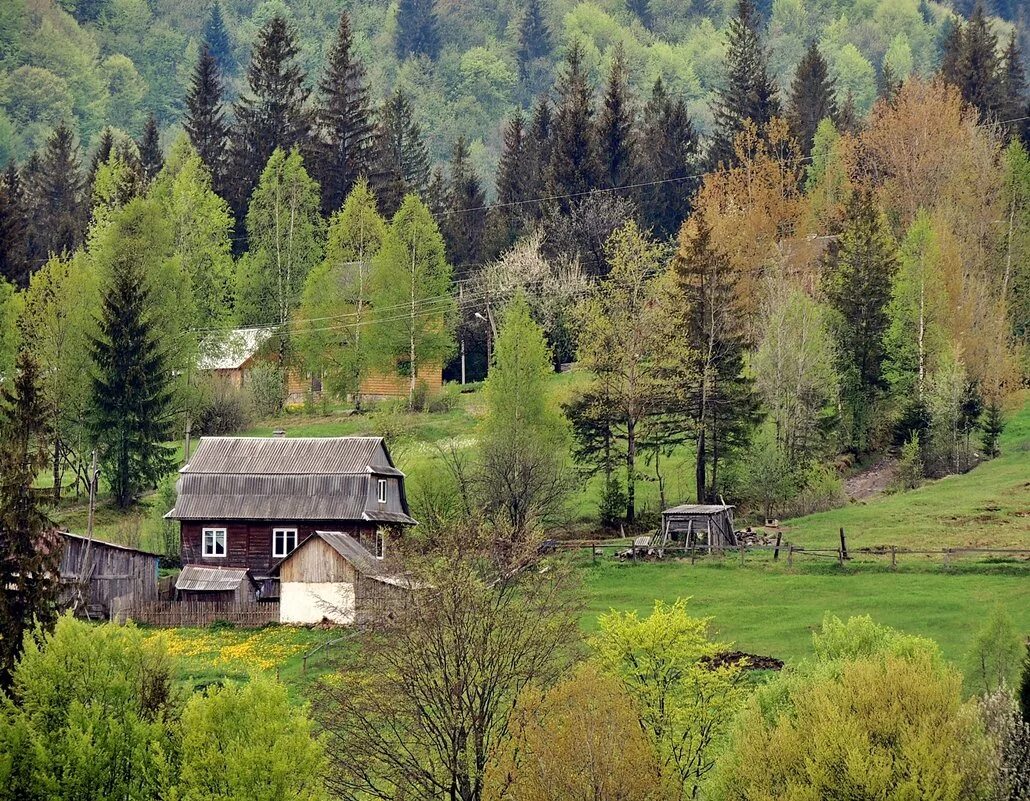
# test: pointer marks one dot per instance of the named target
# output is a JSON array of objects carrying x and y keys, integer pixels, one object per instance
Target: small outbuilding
[
  {"x": 95, "y": 572},
  {"x": 332, "y": 576},
  {"x": 226, "y": 584},
  {"x": 701, "y": 525}
]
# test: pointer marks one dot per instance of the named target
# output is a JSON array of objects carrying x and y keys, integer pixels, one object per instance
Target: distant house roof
[
  {"x": 356, "y": 554},
  {"x": 697, "y": 509},
  {"x": 210, "y": 579},
  {"x": 232, "y": 349},
  {"x": 284, "y": 478}
]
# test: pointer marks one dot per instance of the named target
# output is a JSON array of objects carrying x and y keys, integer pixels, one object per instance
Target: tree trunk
[
  {"x": 631, "y": 470},
  {"x": 57, "y": 470},
  {"x": 699, "y": 464}
]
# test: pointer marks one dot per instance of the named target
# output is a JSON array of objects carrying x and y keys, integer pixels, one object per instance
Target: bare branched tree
[{"x": 423, "y": 708}]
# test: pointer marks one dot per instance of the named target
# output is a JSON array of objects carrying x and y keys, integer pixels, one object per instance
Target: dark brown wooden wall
[{"x": 250, "y": 541}]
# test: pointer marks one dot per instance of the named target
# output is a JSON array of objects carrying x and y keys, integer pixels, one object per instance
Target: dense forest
[{"x": 782, "y": 246}]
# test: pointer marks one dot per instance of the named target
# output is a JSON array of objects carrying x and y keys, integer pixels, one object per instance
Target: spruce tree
[
  {"x": 812, "y": 98},
  {"x": 669, "y": 162},
  {"x": 951, "y": 50},
  {"x": 464, "y": 224},
  {"x": 273, "y": 113},
  {"x": 505, "y": 219},
  {"x": 401, "y": 157},
  {"x": 418, "y": 32},
  {"x": 343, "y": 121},
  {"x": 30, "y": 549},
  {"x": 858, "y": 282},
  {"x": 31, "y": 182},
  {"x": 205, "y": 119},
  {"x": 58, "y": 225},
  {"x": 887, "y": 83},
  {"x": 150, "y": 157},
  {"x": 534, "y": 48},
  {"x": 977, "y": 72},
  {"x": 642, "y": 10},
  {"x": 720, "y": 398},
  {"x": 749, "y": 93},
  {"x": 100, "y": 156},
  {"x": 615, "y": 134},
  {"x": 14, "y": 229},
  {"x": 217, "y": 41},
  {"x": 1014, "y": 103},
  {"x": 574, "y": 165},
  {"x": 131, "y": 392},
  {"x": 538, "y": 149}
]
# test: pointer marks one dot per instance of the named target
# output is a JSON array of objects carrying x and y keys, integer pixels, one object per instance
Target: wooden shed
[
  {"x": 700, "y": 525},
  {"x": 104, "y": 571},
  {"x": 226, "y": 584},
  {"x": 331, "y": 576}
]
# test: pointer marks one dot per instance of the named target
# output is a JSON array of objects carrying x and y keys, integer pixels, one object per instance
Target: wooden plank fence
[{"x": 174, "y": 614}]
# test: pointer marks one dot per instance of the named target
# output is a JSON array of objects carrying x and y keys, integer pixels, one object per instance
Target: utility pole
[{"x": 461, "y": 305}]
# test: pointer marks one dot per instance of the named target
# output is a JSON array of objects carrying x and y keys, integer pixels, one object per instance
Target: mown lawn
[
  {"x": 767, "y": 609},
  {"x": 986, "y": 507}
]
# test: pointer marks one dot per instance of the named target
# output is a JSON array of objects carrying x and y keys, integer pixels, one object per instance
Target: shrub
[
  {"x": 612, "y": 506},
  {"x": 267, "y": 390},
  {"x": 167, "y": 530},
  {"x": 909, "y": 474},
  {"x": 821, "y": 489},
  {"x": 994, "y": 657},
  {"x": 445, "y": 400},
  {"x": 224, "y": 409},
  {"x": 91, "y": 721},
  {"x": 1009, "y": 736},
  {"x": 248, "y": 742},
  {"x": 579, "y": 741}
]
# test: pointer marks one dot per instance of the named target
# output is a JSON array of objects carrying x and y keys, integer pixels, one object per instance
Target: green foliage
[
  {"x": 248, "y": 741},
  {"x": 88, "y": 716},
  {"x": 910, "y": 470},
  {"x": 284, "y": 229},
  {"x": 131, "y": 392},
  {"x": 411, "y": 283},
  {"x": 860, "y": 638},
  {"x": 770, "y": 480},
  {"x": 995, "y": 655},
  {"x": 685, "y": 706}
]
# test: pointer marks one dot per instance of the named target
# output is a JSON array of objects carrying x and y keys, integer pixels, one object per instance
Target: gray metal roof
[
  {"x": 347, "y": 547},
  {"x": 210, "y": 579},
  {"x": 697, "y": 509},
  {"x": 106, "y": 544},
  {"x": 279, "y": 478},
  {"x": 290, "y": 456}
]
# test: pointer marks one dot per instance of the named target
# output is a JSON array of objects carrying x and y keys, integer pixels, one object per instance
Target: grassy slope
[{"x": 989, "y": 506}]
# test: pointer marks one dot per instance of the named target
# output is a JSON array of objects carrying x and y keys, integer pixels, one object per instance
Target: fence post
[
  {"x": 593, "y": 552},
  {"x": 776, "y": 552},
  {"x": 840, "y": 557},
  {"x": 843, "y": 546},
  {"x": 790, "y": 554},
  {"x": 894, "y": 557}
]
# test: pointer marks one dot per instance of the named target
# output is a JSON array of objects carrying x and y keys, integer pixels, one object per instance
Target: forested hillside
[
  {"x": 778, "y": 240},
  {"x": 465, "y": 66}
]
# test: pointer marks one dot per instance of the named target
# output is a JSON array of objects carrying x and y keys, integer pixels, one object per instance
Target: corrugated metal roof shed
[
  {"x": 211, "y": 579},
  {"x": 697, "y": 509}
]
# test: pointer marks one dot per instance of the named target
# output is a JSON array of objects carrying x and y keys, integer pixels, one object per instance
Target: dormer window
[{"x": 382, "y": 490}]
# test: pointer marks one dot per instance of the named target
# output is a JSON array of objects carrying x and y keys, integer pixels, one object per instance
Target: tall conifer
[
  {"x": 343, "y": 122},
  {"x": 205, "y": 118},
  {"x": 418, "y": 30},
  {"x": 615, "y": 123},
  {"x": 59, "y": 220},
  {"x": 217, "y": 41},
  {"x": 505, "y": 221},
  {"x": 131, "y": 381},
  {"x": 976, "y": 67},
  {"x": 749, "y": 93},
  {"x": 858, "y": 284},
  {"x": 538, "y": 149},
  {"x": 1014, "y": 103},
  {"x": 272, "y": 114},
  {"x": 401, "y": 157},
  {"x": 669, "y": 161},
  {"x": 30, "y": 550},
  {"x": 812, "y": 98},
  {"x": 574, "y": 165},
  {"x": 534, "y": 48},
  {"x": 464, "y": 225},
  {"x": 150, "y": 157},
  {"x": 14, "y": 229}
]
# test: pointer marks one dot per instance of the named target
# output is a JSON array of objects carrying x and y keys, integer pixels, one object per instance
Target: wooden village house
[
  {"x": 233, "y": 355},
  {"x": 246, "y": 503}
]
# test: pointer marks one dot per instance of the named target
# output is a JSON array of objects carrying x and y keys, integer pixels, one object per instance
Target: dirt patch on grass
[
  {"x": 873, "y": 480},
  {"x": 749, "y": 661}
]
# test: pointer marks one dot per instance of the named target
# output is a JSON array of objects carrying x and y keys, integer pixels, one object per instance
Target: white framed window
[
  {"x": 382, "y": 490},
  {"x": 215, "y": 541},
  {"x": 284, "y": 540},
  {"x": 379, "y": 544}
]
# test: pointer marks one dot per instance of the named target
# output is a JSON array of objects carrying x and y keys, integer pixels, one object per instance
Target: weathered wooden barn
[
  {"x": 104, "y": 571},
  {"x": 331, "y": 576},
  {"x": 699, "y": 524},
  {"x": 248, "y": 502}
]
